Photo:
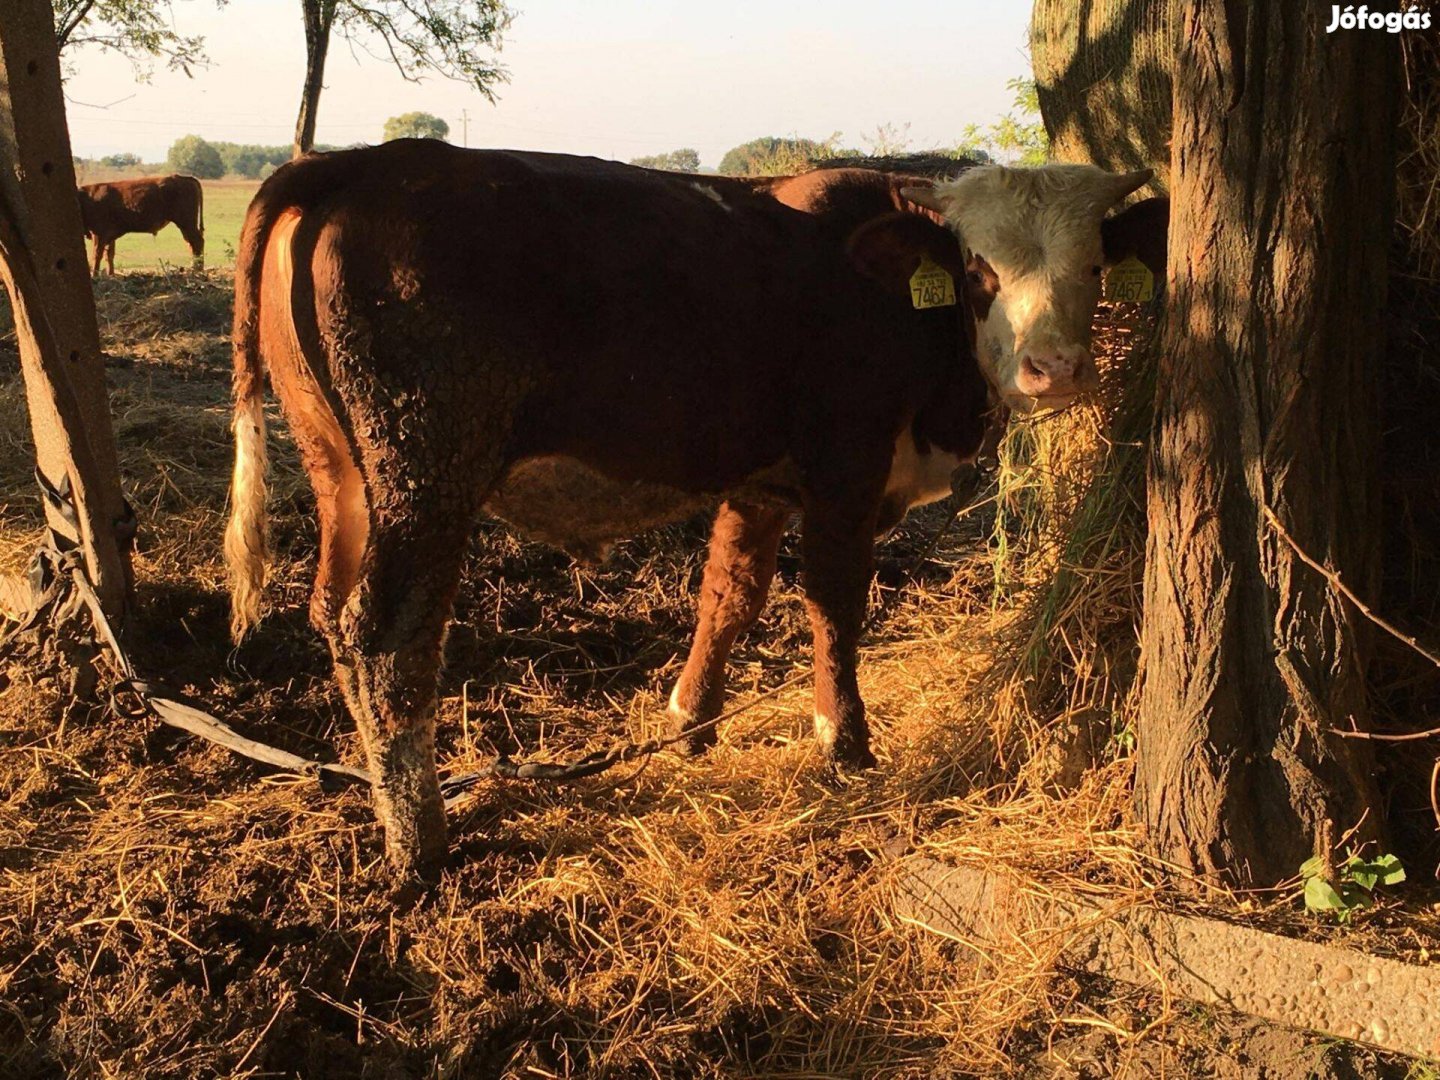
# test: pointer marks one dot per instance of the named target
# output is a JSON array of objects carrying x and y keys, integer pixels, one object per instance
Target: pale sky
[{"x": 614, "y": 78}]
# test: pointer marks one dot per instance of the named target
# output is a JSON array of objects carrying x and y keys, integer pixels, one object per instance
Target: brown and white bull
[
  {"x": 1037, "y": 242},
  {"x": 1063, "y": 204},
  {"x": 587, "y": 349},
  {"x": 116, "y": 207}
]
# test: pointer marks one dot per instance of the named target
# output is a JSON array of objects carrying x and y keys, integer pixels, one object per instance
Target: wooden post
[{"x": 42, "y": 249}]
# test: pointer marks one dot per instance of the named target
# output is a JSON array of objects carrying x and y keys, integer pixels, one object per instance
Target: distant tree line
[
  {"x": 211, "y": 160},
  {"x": 772, "y": 155},
  {"x": 198, "y": 156},
  {"x": 416, "y": 125},
  {"x": 683, "y": 160},
  {"x": 1016, "y": 137}
]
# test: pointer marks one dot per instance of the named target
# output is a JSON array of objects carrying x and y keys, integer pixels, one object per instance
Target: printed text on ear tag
[
  {"x": 1129, "y": 280},
  {"x": 931, "y": 285}
]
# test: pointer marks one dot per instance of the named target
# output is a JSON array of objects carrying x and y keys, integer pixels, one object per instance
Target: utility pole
[{"x": 465, "y": 128}]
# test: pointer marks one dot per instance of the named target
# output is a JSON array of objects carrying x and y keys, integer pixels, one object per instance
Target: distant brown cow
[
  {"x": 586, "y": 349},
  {"x": 116, "y": 207}
]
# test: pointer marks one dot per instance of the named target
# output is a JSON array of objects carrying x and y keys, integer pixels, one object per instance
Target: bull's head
[{"x": 1034, "y": 255}]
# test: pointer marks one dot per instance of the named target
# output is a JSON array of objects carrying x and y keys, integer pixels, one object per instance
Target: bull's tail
[
  {"x": 246, "y": 549},
  {"x": 200, "y": 222}
]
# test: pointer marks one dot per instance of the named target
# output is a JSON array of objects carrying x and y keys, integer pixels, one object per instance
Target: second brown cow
[{"x": 116, "y": 207}]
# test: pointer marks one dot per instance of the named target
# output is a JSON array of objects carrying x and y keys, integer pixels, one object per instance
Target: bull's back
[
  {"x": 650, "y": 326},
  {"x": 146, "y": 204}
]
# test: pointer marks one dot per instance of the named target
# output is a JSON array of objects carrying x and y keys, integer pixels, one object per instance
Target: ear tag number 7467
[
  {"x": 1129, "y": 280},
  {"x": 931, "y": 285}
]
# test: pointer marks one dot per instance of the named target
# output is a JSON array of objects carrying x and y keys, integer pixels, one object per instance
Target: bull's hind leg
[
  {"x": 195, "y": 239},
  {"x": 737, "y": 579},
  {"x": 341, "y": 510},
  {"x": 340, "y": 505},
  {"x": 387, "y": 656}
]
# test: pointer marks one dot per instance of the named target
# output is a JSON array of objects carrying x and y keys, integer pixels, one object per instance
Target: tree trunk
[
  {"x": 1282, "y": 174},
  {"x": 319, "y": 16},
  {"x": 43, "y": 249},
  {"x": 1103, "y": 78}
]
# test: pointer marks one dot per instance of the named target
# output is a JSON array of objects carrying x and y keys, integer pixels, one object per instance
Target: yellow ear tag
[
  {"x": 931, "y": 285},
  {"x": 1130, "y": 280}
]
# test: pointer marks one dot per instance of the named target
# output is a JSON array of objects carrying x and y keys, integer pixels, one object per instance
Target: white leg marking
[
  {"x": 825, "y": 730},
  {"x": 674, "y": 708}
]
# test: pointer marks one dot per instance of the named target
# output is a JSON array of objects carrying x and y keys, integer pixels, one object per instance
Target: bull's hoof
[
  {"x": 691, "y": 743},
  {"x": 853, "y": 758},
  {"x": 847, "y": 744}
]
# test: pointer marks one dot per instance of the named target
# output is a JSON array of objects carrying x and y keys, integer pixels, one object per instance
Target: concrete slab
[{"x": 1324, "y": 988}]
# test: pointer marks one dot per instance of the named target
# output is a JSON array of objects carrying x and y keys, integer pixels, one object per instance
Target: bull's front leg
[
  {"x": 837, "y": 542},
  {"x": 743, "y": 546}
]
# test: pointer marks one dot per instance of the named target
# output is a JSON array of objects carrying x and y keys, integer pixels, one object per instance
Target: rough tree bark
[
  {"x": 319, "y": 16},
  {"x": 1282, "y": 172},
  {"x": 46, "y": 273},
  {"x": 1103, "y": 76}
]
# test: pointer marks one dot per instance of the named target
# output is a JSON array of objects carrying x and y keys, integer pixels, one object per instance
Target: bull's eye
[{"x": 973, "y": 276}]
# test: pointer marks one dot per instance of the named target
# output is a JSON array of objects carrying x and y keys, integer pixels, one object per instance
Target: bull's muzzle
[{"x": 1055, "y": 375}]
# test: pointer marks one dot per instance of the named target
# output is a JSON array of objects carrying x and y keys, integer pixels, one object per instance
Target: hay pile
[{"x": 167, "y": 910}]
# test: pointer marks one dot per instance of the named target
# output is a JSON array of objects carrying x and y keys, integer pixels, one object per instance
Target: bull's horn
[
  {"x": 1125, "y": 183},
  {"x": 924, "y": 196}
]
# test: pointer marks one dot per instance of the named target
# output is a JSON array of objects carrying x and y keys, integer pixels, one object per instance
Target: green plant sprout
[{"x": 1352, "y": 885}]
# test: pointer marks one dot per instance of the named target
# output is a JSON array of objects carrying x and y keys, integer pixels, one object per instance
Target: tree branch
[{"x": 69, "y": 23}]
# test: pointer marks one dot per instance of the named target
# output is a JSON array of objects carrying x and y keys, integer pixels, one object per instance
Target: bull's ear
[
  {"x": 925, "y": 196},
  {"x": 889, "y": 248},
  {"x": 1138, "y": 230}
]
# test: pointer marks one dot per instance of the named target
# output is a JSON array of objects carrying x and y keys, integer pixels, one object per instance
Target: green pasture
[{"x": 225, "y": 203}]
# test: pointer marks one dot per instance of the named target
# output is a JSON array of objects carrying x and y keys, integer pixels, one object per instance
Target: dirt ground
[{"x": 168, "y": 910}]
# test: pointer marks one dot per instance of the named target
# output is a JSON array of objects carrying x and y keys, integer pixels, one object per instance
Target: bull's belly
[
  {"x": 568, "y": 504},
  {"x": 563, "y": 502}
]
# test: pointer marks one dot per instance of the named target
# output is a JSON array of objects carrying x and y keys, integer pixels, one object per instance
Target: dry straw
[
  {"x": 177, "y": 913},
  {"x": 169, "y": 911}
]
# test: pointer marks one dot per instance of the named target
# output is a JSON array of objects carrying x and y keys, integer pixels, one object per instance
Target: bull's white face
[{"x": 1032, "y": 238}]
